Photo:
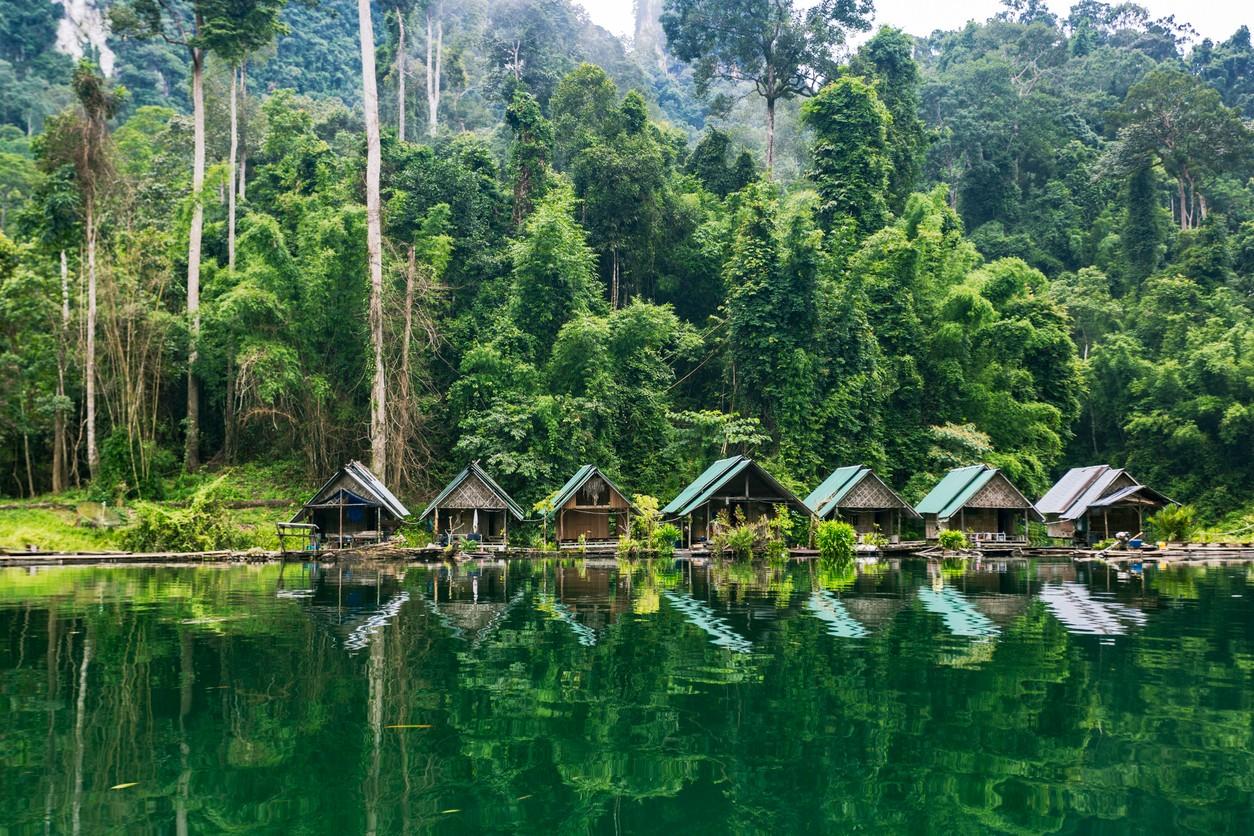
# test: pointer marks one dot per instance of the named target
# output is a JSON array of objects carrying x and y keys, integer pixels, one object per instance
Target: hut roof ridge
[
  {"x": 474, "y": 469},
  {"x": 574, "y": 483}
]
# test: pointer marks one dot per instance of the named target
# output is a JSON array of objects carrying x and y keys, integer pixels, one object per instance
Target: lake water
[{"x": 572, "y": 698}]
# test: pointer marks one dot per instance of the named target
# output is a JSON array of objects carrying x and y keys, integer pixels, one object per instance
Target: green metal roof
[
  {"x": 697, "y": 485},
  {"x": 716, "y": 476},
  {"x": 474, "y": 468},
  {"x": 952, "y": 492},
  {"x": 957, "y": 488},
  {"x": 577, "y": 481},
  {"x": 828, "y": 495}
]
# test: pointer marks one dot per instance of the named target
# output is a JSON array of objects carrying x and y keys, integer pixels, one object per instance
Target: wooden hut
[
  {"x": 1093, "y": 503},
  {"x": 350, "y": 508},
  {"x": 727, "y": 485},
  {"x": 473, "y": 507},
  {"x": 860, "y": 497},
  {"x": 981, "y": 501},
  {"x": 591, "y": 506}
]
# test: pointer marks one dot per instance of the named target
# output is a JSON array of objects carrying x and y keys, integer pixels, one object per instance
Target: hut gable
[
  {"x": 976, "y": 486},
  {"x": 870, "y": 492},
  {"x": 1082, "y": 489},
  {"x": 737, "y": 477},
  {"x": 856, "y": 487},
  {"x": 590, "y": 488},
  {"x": 473, "y": 493},
  {"x": 474, "y": 489},
  {"x": 353, "y": 484},
  {"x": 997, "y": 492}
]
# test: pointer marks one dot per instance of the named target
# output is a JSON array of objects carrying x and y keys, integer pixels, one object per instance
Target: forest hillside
[{"x": 1027, "y": 242}]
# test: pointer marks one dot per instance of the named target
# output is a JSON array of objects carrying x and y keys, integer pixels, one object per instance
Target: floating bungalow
[
  {"x": 473, "y": 507},
  {"x": 1092, "y": 503},
  {"x": 981, "y": 501},
  {"x": 592, "y": 507},
  {"x": 858, "y": 496},
  {"x": 351, "y": 508},
  {"x": 727, "y": 485}
]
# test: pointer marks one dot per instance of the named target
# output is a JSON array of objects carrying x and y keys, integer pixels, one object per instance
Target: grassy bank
[{"x": 70, "y": 526}]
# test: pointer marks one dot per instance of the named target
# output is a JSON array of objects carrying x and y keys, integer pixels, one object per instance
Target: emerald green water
[{"x": 548, "y": 698}]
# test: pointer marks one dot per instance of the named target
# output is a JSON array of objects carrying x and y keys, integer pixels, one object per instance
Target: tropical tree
[
  {"x": 374, "y": 239},
  {"x": 780, "y": 47},
  {"x": 80, "y": 139},
  {"x": 181, "y": 24},
  {"x": 232, "y": 29}
]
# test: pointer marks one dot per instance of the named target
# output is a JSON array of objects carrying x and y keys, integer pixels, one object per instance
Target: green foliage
[
  {"x": 665, "y": 538},
  {"x": 835, "y": 541},
  {"x": 201, "y": 525},
  {"x": 851, "y": 159},
  {"x": 953, "y": 540},
  {"x": 1174, "y": 523},
  {"x": 594, "y": 282}
]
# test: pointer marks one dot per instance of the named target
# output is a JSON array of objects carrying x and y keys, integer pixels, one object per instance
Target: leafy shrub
[
  {"x": 876, "y": 538},
  {"x": 741, "y": 540},
  {"x": 201, "y": 526},
  {"x": 835, "y": 541},
  {"x": 131, "y": 470},
  {"x": 665, "y": 538},
  {"x": 629, "y": 547},
  {"x": 953, "y": 540},
  {"x": 1174, "y": 523},
  {"x": 644, "y": 524}
]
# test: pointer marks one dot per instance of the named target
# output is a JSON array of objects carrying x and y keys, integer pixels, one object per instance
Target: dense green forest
[{"x": 1028, "y": 242}]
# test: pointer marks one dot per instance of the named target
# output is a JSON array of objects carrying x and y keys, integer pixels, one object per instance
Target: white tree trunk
[
  {"x": 230, "y": 223},
  {"x": 89, "y": 358},
  {"x": 435, "y": 59},
  {"x": 191, "y": 454},
  {"x": 374, "y": 240},
  {"x": 58, "y": 433},
  {"x": 243, "y": 151},
  {"x": 400, "y": 75}
]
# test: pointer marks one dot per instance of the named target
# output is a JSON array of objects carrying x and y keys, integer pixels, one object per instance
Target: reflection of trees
[{"x": 237, "y": 711}]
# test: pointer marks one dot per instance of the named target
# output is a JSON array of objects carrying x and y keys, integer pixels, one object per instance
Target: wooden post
[
  {"x": 436, "y": 538},
  {"x": 341, "y": 540},
  {"x": 505, "y": 529},
  {"x": 1106, "y": 522}
]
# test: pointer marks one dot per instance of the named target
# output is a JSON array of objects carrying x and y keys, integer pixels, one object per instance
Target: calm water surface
[{"x": 572, "y": 698}]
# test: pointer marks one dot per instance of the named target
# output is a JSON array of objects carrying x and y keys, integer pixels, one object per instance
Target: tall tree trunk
[
  {"x": 435, "y": 58},
  {"x": 228, "y": 429},
  {"x": 402, "y": 406},
  {"x": 230, "y": 222},
  {"x": 770, "y": 136},
  {"x": 89, "y": 354},
  {"x": 374, "y": 240},
  {"x": 400, "y": 75},
  {"x": 614, "y": 278},
  {"x": 191, "y": 453},
  {"x": 243, "y": 147},
  {"x": 58, "y": 420}
]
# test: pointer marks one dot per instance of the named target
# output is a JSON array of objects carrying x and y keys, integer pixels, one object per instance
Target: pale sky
[{"x": 1214, "y": 19}]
